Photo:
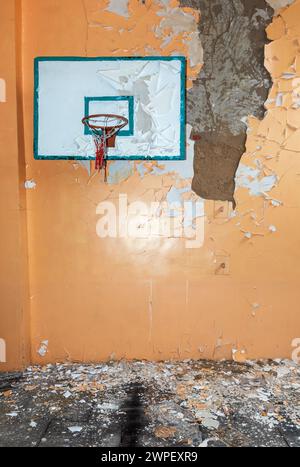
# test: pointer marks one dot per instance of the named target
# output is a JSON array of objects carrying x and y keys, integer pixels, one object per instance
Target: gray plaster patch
[{"x": 232, "y": 85}]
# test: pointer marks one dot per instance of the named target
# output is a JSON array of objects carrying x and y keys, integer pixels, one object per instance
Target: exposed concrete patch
[
  {"x": 167, "y": 29},
  {"x": 179, "y": 174},
  {"x": 216, "y": 161},
  {"x": 168, "y": 184},
  {"x": 232, "y": 85},
  {"x": 275, "y": 139},
  {"x": 2, "y": 90}
]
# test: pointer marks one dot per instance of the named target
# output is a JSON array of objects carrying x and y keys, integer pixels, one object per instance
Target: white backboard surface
[{"x": 149, "y": 91}]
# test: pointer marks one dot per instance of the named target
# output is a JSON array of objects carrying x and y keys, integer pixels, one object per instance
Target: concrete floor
[{"x": 152, "y": 404}]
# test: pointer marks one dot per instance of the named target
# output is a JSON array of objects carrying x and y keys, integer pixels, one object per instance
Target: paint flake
[
  {"x": 75, "y": 429},
  {"x": 119, "y": 7},
  {"x": 2, "y": 90},
  {"x": 30, "y": 184},
  {"x": 43, "y": 348}
]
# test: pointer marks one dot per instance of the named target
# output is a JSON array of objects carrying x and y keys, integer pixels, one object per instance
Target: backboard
[{"x": 148, "y": 91}]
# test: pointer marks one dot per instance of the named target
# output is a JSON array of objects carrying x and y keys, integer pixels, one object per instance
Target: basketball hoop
[{"x": 104, "y": 129}]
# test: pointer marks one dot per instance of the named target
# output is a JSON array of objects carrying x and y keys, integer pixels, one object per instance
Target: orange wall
[
  {"x": 94, "y": 299},
  {"x": 14, "y": 312}
]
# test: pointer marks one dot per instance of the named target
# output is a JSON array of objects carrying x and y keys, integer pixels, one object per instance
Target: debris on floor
[{"x": 189, "y": 403}]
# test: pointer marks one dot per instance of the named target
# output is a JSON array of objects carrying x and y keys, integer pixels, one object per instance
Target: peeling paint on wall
[
  {"x": 151, "y": 28},
  {"x": 2, "y": 90},
  {"x": 176, "y": 22},
  {"x": 30, "y": 184},
  {"x": 276, "y": 137},
  {"x": 43, "y": 349},
  {"x": 170, "y": 185},
  {"x": 242, "y": 256}
]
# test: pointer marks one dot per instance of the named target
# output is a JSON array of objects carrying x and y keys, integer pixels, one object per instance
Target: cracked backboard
[{"x": 148, "y": 91}]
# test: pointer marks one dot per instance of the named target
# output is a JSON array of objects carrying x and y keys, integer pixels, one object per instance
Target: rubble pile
[{"x": 188, "y": 403}]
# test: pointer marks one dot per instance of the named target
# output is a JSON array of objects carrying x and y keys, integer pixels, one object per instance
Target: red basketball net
[
  {"x": 103, "y": 127},
  {"x": 101, "y": 150}
]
